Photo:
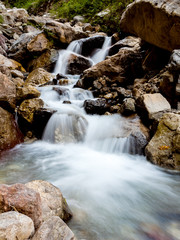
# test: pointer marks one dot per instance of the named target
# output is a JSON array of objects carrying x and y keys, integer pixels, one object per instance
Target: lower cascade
[{"x": 98, "y": 163}]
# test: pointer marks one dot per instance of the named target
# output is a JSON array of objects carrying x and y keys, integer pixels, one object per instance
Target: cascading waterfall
[{"x": 114, "y": 193}]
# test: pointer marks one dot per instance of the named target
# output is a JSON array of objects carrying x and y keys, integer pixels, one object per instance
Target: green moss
[{"x": 1, "y": 19}]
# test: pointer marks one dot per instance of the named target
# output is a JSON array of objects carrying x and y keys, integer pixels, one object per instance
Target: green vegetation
[
  {"x": 1, "y": 19},
  {"x": 87, "y": 8}
]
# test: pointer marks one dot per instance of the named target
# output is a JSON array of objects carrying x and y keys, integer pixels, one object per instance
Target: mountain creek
[{"x": 96, "y": 116}]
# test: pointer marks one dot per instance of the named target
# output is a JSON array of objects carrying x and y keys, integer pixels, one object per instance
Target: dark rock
[
  {"x": 98, "y": 106},
  {"x": 89, "y": 44}
]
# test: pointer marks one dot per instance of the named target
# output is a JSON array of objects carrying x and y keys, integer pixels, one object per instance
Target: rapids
[{"x": 112, "y": 190}]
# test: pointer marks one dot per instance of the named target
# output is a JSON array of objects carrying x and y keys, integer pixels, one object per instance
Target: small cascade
[
  {"x": 75, "y": 48},
  {"x": 100, "y": 54},
  {"x": 65, "y": 128}
]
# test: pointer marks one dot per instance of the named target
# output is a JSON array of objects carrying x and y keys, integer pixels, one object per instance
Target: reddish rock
[
  {"x": 20, "y": 198},
  {"x": 10, "y": 134},
  {"x": 7, "y": 92}
]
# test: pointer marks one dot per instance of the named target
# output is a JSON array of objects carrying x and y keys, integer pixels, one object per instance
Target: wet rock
[
  {"x": 128, "y": 106},
  {"x": 14, "y": 225},
  {"x": 129, "y": 42},
  {"x": 9, "y": 131},
  {"x": 38, "y": 44},
  {"x": 91, "y": 43},
  {"x": 147, "y": 19},
  {"x": 54, "y": 228},
  {"x": 20, "y": 198},
  {"x": 98, "y": 106},
  {"x": 53, "y": 203},
  {"x": 60, "y": 90},
  {"x": 10, "y": 63},
  {"x": 77, "y": 64},
  {"x": 40, "y": 120},
  {"x": 121, "y": 68},
  {"x": 37, "y": 77},
  {"x": 164, "y": 147},
  {"x": 28, "y": 107},
  {"x": 46, "y": 60},
  {"x": 7, "y": 92},
  {"x": 26, "y": 92}
]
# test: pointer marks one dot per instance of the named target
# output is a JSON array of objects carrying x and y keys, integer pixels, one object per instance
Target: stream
[{"x": 112, "y": 190}]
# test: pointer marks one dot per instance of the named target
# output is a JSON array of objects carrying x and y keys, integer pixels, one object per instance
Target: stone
[
  {"x": 164, "y": 147},
  {"x": 18, "y": 50},
  {"x": 46, "y": 60},
  {"x": 98, "y": 106},
  {"x": 38, "y": 44},
  {"x": 78, "y": 19},
  {"x": 53, "y": 203},
  {"x": 14, "y": 225},
  {"x": 16, "y": 73},
  {"x": 128, "y": 106},
  {"x": 18, "y": 82},
  {"x": 128, "y": 42},
  {"x": 89, "y": 44},
  {"x": 7, "y": 92},
  {"x": 155, "y": 21},
  {"x": 38, "y": 77},
  {"x": 155, "y": 104},
  {"x": 20, "y": 198},
  {"x": 54, "y": 229},
  {"x": 3, "y": 45},
  {"x": 28, "y": 107},
  {"x": 10, "y": 63},
  {"x": 26, "y": 92},
  {"x": 9, "y": 131},
  {"x": 122, "y": 68},
  {"x": 77, "y": 64},
  {"x": 174, "y": 63}
]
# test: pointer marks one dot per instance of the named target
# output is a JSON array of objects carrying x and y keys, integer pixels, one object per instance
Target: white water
[
  {"x": 113, "y": 194},
  {"x": 75, "y": 48}
]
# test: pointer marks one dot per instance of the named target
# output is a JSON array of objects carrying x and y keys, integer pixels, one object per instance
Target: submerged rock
[
  {"x": 9, "y": 131},
  {"x": 20, "y": 198},
  {"x": 156, "y": 22},
  {"x": 14, "y": 225},
  {"x": 164, "y": 147}
]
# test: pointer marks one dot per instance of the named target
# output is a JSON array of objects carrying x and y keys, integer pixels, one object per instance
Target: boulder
[
  {"x": 155, "y": 104},
  {"x": 53, "y": 203},
  {"x": 54, "y": 228},
  {"x": 77, "y": 64},
  {"x": 164, "y": 147},
  {"x": 38, "y": 44},
  {"x": 38, "y": 77},
  {"x": 14, "y": 225},
  {"x": 91, "y": 43},
  {"x": 26, "y": 92},
  {"x": 7, "y": 92},
  {"x": 128, "y": 42},
  {"x": 128, "y": 106},
  {"x": 9, "y": 131},
  {"x": 97, "y": 106},
  {"x": 46, "y": 60},
  {"x": 121, "y": 68},
  {"x": 155, "y": 21},
  {"x": 20, "y": 198},
  {"x": 17, "y": 74},
  {"x": 40, "y": 119},
  {"x": 18, "y": 50},
  {"x": 15, "y": 15},
  {"x": 10, "y": 63},
  {"x": 28, "y": 107}
]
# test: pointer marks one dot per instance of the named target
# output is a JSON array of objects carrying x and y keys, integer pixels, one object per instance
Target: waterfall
[
  {"x": 113, "y": 191},
  {"x": 75, "y": 48}
]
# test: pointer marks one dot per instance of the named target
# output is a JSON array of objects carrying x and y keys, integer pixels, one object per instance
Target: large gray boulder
[
  {"x": 164, "y": 147},
  {"x": 155, "y": 21}
]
